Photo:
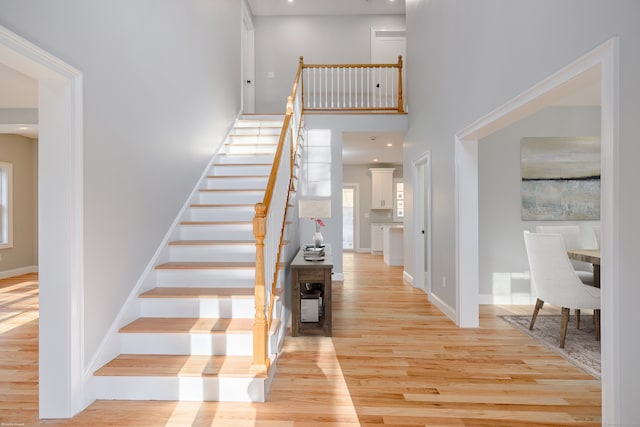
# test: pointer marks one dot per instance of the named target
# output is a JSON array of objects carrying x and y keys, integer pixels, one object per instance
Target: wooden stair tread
[
  {"x": 212, "y": 242},
  {"x": 195, "y": 292},
  {"x": 236, "y": 177},
  {"x": 241, "y": 164},
  {"x": 178, "y": 366},
  {"x": 192, "y": 325},
  {"x": 205, "y": 265},
  {"x": 223, "y": 205},
  {"x": 230, "y": 190},
  {"x": 219, "y": 242},
  {"x": 216, "y": 222}
]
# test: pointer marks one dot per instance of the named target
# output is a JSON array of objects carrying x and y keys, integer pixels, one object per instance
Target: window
[
  {"x": 317, "y": 159},
  {"x": 398, "y": 208},
  {"x": 6, "y": 226}
]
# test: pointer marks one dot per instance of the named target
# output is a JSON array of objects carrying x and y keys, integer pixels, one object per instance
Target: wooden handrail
[
  {"x": 350, "y": 65},
  {"x": 290, "y": 133},
  {"x": 264, "y": 313}
]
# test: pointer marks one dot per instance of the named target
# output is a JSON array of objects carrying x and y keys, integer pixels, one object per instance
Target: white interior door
[
  {"x": 248, "y": 64},
  {"x": 422, "y": 223}
]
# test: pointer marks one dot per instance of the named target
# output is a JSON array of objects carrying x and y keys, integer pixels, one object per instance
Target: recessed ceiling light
[
  {"x": 375, "y": 160},
  {"x": 389, "y": 144}
]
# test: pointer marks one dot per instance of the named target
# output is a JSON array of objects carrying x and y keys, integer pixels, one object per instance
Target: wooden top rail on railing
[{"x": 352, "y": 87}]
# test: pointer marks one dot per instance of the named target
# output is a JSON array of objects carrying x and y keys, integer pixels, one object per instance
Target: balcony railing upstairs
[{"x": 352, "y": 87}]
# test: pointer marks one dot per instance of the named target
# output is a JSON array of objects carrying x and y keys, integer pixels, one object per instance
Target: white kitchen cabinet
[
  {"x": 382, "y": 188},
  {"x": 377, "y": 239}
]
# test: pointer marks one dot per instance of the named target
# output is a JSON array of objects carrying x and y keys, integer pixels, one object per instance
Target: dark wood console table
[{"x": 311, "y": 285}]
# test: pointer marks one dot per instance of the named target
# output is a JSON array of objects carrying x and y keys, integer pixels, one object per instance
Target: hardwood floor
[{"x": 393, "y": 360}]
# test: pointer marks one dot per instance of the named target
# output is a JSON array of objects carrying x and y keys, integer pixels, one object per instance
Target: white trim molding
[{"x": 60, "y": 224}]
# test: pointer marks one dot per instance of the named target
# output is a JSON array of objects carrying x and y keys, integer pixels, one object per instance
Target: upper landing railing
[{"x": 352, "y": 87}]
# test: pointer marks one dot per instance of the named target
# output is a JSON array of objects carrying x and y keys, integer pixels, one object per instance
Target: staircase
[{"x": 193, "y": 339}]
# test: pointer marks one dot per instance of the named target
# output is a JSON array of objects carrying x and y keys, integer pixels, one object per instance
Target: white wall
[
  {"x": 469, "y": 57},
  {"x": 281, "y": 40},
  {"x": 161, "y": 87},
  {"x": 503, "y": 260}
]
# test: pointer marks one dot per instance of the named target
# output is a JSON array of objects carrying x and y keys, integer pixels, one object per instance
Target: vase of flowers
[{"x": 317, "y": 235}]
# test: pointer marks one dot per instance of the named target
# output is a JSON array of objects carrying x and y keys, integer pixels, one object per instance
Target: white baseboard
[
  {"x": 339, "y": 277},
  {"x": 18, "y": 271},
  {"x": 407, "y": 277},
  {"x": 445, "y": 308}
]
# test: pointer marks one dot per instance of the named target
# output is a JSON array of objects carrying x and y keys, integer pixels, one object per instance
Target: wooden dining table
[{"x": 591, "y": 256}]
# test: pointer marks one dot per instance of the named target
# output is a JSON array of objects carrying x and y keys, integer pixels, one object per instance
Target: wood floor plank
[{"x": 394, "y": 359}]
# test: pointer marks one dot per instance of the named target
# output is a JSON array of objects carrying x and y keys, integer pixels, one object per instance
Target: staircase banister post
[
  {"x": 301, "y": 83},
  {"x": 260, "y": 363},
  {"x": 400, "y": 99}
]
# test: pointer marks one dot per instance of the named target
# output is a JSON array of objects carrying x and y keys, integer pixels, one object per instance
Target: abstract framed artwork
[{"x": 560, "y": 178}]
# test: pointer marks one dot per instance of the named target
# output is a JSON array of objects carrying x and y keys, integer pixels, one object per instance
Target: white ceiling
[
  {"x": 327, "y": 7},
  {"x": 369, "y": 148}
]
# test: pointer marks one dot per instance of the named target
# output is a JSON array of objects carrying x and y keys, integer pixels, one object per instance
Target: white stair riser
[
  {"x": 257, "y": 139},
  {"x": 249, "y": 130},
  {"x": 237, "y": 308},
  {"x": 240, "y": 160},
  {"x": 237, "y": 183},
  {"x": 265, "y": 121},
  {"x": 243, "y": 149},
  {"x": 241, "y": 170},
  {"x": 200, "y": 253},
  {"x": 230, "y": 197},
  {"x": 222, "y": 213},
  {"x": 212, "y": 389},
  {"x": 187, "y": 344},
  {"x": 206, "y": 278},
  {"x": 242, "y": 231}
]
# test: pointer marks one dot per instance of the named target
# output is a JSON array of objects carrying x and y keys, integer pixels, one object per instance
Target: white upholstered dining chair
[
  {"x": 555, "y": 281},
  {"x": 571, "y": 238}
]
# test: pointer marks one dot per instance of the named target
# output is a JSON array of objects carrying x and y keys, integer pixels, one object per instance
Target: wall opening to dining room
[{"x": 603, "y": 59}]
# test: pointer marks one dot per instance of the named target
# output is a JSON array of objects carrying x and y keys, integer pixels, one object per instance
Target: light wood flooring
[{"x": 393, "y": 360}]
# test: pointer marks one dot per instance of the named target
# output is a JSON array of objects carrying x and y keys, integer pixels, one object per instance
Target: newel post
[
  {"x": 400, "y": 100},
  {"x": 260, "y": 362}
]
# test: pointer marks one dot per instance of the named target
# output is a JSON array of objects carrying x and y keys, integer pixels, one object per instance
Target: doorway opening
[
  {"x": 603, "y": 59},
  {"x": 350, "y": 235}
]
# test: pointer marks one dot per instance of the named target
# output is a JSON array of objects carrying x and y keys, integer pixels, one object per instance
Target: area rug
[{"x": 580, "y": 348}]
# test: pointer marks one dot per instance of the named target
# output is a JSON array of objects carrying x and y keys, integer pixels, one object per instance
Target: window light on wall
[{"x": 6, "y": 201}]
